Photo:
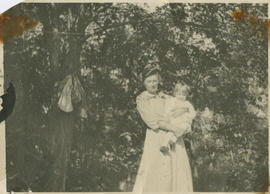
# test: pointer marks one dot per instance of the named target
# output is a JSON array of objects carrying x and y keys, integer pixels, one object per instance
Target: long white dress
[{"x": 159, "y": 172}]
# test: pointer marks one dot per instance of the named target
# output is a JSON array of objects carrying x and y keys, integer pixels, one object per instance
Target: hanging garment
[{"x": 65, "y": 103}]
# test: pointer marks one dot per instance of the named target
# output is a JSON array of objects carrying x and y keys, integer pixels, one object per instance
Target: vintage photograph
[{"x": 137, "y": 97}]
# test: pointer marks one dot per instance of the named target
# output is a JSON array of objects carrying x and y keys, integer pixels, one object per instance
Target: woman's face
[{"x": 151, "y": 83}]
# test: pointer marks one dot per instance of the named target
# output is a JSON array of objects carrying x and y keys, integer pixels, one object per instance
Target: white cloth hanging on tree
[
  {"x": 65, "y": 102},
  {"x": 72, "y": 93}
]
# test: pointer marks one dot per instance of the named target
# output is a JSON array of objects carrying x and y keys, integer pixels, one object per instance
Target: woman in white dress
[{"x": 159, "y": 171}]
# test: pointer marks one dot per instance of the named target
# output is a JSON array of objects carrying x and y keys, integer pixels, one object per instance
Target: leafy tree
[{"x": 104, "y": 47}]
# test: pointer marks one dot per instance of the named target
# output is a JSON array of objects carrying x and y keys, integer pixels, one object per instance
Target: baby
[{"x": 180, "y": 113}]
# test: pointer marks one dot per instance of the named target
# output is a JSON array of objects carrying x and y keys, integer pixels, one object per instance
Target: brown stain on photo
[
  {"x": 267, "y": 23},
  {"x": 252, "y": 19},
  {"x": 12, "y": 26},
  {"x": 259, "y": 24},
  {"x": 266, "y": 190},
  {"x": 237, "y": 14}
]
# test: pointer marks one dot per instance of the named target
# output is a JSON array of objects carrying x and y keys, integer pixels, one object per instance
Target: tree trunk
[
  {"x": 62, "y": 125},
  {"x": 71, "y": 63}
]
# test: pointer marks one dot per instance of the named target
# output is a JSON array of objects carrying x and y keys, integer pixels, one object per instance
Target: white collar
[{"x": 148, "y": 95}]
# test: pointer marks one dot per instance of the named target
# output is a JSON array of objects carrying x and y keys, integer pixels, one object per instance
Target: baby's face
[{"x": 180, "y": 92}]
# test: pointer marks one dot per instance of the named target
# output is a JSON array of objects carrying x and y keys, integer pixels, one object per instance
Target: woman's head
[{"x": 151, "y": 79}]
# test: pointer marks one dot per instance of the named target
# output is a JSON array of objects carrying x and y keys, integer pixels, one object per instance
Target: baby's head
[{"x": 181, "y": 90}]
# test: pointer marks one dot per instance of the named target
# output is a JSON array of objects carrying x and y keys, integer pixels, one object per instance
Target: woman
[{"x": 159, "y": 171}]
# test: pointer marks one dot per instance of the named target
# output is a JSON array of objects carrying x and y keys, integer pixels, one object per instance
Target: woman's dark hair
[
  {"x": 149, "y": 73},
  {"x": 149, "y": 70}
]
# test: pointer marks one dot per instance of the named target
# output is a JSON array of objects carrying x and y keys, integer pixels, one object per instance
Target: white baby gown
[{"x": 180, "y": 122}]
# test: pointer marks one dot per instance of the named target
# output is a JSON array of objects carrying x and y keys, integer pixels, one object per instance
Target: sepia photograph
[{"x": 136, "y": 97}]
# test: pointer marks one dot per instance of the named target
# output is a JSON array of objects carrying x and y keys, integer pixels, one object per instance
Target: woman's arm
[
  {"x": 165, "y": 125},
  {"x": 146, "y": 113},
  {"x": 176, "y": 112}
]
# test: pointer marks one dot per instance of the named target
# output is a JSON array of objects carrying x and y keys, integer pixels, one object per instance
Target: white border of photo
[{"x": 6, "y": 4}]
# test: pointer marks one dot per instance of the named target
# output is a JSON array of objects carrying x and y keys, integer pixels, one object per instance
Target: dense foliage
[{"x": 105, "y": 46}]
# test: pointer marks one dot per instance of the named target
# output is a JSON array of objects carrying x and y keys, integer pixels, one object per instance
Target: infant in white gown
[{"x": 180, "y": 113}]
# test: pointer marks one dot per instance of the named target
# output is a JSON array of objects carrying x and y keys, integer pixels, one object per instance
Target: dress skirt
[{"x": 163, "y": 172}]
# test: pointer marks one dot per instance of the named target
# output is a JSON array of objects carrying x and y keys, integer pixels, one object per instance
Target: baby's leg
[
  {"x": 180, "y": 127},
  {"x": 172, "y": 137}
]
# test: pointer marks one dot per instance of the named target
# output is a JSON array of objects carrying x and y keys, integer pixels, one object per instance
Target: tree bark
[{"x": 62, "y": 125}]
